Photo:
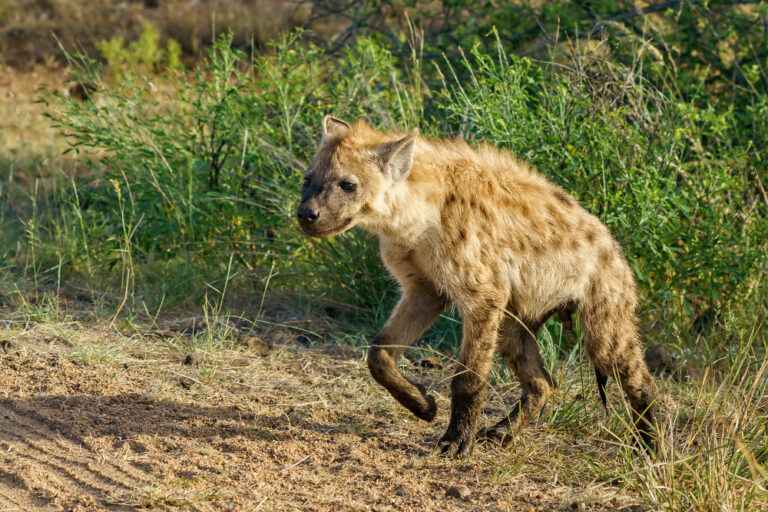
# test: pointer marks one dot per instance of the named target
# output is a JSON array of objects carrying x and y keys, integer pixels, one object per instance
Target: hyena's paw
[
  {"x": 426, "y": 408},
  {"x": 456, "y": 444}
]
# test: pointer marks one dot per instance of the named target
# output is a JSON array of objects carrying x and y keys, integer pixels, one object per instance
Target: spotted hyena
[{"x": 478, "y": 228}]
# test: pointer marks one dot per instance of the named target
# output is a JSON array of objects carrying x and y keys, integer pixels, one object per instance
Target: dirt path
[
  {"x": 42, "y": 460},
  {"x": 297, "y": 429}
]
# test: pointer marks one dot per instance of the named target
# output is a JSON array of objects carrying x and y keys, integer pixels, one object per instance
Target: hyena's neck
[{"x": 408, "y": 214}]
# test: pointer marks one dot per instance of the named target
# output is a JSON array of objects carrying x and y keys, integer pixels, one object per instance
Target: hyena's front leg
[
  {"x": 468, "y": 387},
  {"x": 416, "y": 311}
]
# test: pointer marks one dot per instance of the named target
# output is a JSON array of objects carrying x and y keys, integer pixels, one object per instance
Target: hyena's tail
[{"x": 565, "y": 313}]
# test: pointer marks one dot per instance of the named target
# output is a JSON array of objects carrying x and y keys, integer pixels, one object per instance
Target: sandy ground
[{"x": 94, "y": 420}]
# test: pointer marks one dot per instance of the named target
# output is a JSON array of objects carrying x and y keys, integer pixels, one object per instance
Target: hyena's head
[{"x": 350, "y": 176}]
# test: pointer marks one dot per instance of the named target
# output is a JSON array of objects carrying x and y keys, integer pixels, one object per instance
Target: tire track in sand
[
  {"x": 39, "y": 465},
  {"x": 74, "y": 450}
]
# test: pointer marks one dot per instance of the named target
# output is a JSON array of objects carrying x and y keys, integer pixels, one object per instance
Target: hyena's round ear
[
  {"x": 397, "y": 156},
  {"x": 334, "y": 127}
]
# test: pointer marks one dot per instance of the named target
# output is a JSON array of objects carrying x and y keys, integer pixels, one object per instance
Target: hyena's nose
[{"x": 307, "y": 214}]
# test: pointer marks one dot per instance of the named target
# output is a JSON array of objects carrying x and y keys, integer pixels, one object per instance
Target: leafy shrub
[
  {"x": 214, "y": 167},
  {"x": 146, "y": 54}
]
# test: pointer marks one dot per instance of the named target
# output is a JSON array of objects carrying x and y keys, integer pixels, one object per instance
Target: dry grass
[{"x": 206, "y": 422}]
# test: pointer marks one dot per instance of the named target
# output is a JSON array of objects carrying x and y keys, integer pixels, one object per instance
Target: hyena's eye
[{"x": 347, "y": 186}]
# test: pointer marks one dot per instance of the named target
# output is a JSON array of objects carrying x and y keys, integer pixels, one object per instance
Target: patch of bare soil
[{"x": 139, "y": 426}]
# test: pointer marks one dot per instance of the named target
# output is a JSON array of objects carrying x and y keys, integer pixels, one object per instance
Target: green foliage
[
  {"x": 145, "y": 54},
  {"x": 173, "y": 54},
  {"x": 215, "y": 169}
]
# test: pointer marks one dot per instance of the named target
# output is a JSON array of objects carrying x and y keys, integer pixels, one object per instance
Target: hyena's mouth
[{"x": 311, "y": 231}]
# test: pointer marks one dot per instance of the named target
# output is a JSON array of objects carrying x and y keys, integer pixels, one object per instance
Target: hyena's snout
[
  {"x": 317, "y": 219},
  {"x": 307, "y": 214}
]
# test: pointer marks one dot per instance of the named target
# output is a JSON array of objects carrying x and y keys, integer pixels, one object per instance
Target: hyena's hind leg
[
  {"x": 519, "y": 349},
  {"x": 613, "y": 345}
]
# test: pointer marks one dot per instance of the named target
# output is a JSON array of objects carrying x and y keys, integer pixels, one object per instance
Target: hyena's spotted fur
[{"x": 481, "y": 229}]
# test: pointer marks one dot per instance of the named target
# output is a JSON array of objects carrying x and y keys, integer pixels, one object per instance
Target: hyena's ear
[
  {"x": 334, "y": 127},
  {"x": 397, "y": 156}
]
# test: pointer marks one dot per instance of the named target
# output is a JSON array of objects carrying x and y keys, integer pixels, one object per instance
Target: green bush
[
  {"x": 681, "y": 204},
  {"x": 146, "y": 54},
  {"x": 213, "y": 169}
]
